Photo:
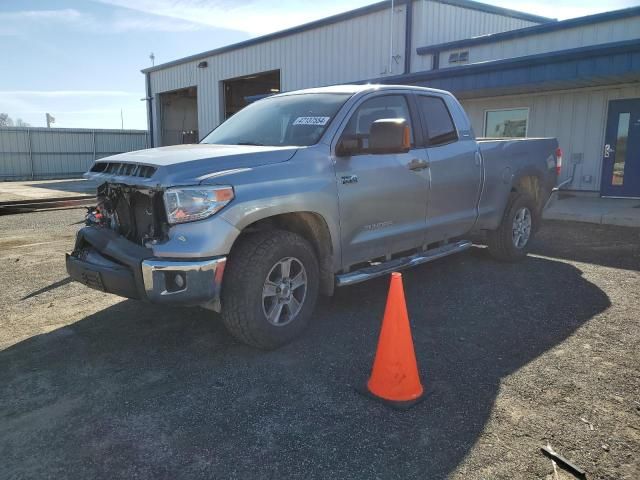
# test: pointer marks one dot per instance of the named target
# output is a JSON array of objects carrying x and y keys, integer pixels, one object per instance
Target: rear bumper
[{"x": 107, "y": 262}]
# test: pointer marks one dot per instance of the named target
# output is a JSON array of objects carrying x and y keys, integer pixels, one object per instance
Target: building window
[
  {"x": 620, "y": 152},
  {"x": 459, "y": 57},
  {"x": 512, "y": 122}
]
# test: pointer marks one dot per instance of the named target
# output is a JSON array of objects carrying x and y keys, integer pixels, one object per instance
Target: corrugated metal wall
[
  {"x": 576, "y": 117},
  {"x": 352, "y": 50},
  {"x": 603, "y": 32},
  {"x": 435, "y": 23},
  {"x": 338, "y": 53},
  {"x": 28, "y": 153}
]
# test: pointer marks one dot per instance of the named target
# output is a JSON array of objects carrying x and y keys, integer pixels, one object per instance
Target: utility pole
[
  {"x": 121, "y": 120},
  {"x": 153, "y": 59}
]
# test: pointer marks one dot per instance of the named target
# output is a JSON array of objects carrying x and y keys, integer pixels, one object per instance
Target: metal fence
[{"x": 42, "y": 153}]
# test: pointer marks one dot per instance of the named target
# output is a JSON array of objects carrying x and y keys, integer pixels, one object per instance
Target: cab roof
[{"x": 358, "y": 88}]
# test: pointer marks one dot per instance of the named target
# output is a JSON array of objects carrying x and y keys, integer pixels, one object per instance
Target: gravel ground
[{"x": 512, "y": 357}]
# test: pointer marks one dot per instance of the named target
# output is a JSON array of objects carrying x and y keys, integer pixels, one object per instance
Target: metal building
[{"x": 517, "y": 74}]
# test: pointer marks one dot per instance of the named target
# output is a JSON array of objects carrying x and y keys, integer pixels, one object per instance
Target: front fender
[
  {"x": 206, "y": 238},
  {"x": 316, "y": 195}
]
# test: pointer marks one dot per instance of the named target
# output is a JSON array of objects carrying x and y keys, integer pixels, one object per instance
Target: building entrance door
[
  {"x": 179, "y": 117},
  {"x": 621, "y": 162}
]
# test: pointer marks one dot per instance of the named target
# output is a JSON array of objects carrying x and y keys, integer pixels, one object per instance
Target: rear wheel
[
  {"x": 511, "y": 240},
  {"x": 270, "y": 288}
]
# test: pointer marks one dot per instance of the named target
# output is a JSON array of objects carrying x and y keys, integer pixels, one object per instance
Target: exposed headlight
[{"x": 186, "y": 204}]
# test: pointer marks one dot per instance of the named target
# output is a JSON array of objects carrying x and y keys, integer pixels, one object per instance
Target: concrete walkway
[
  {"x": 45, "y": 189},
  {"x": 604, "y": 211}
]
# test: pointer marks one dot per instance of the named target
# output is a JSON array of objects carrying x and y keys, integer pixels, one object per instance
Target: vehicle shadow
[
  {"x": 606, "y": 245},
  {"x": 138, "y": 390}
]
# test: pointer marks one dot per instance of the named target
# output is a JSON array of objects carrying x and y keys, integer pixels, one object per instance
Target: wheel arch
[
  {"x": 529, "y": 182},
  {"x": 312, "y": 227}
]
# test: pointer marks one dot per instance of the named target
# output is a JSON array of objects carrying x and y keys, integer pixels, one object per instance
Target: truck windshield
[{"x": 290, "y": 120}]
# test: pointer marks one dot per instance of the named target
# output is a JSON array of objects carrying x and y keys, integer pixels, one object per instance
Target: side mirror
[
  {"x": 389, "y": 135},
  {"x": 348, "y": 146}
]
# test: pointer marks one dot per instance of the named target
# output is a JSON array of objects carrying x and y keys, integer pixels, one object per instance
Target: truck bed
[{"x": 507, "y": 158}]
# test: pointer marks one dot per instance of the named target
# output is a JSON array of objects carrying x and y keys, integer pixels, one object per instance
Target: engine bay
[{"x": 135, "y": 213}]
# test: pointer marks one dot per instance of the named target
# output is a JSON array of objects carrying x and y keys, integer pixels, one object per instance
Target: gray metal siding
[
  {"x": 594, "y": 34},
  {"x": 435, "y": 23},
  {"x": 14, "y": 152},
  {"x": 114, "y": 142},
  {"x": 338, "y": 53},
  {"x": 576, "y": 117},
  {"x": 27, "y": 153},
  {"x": 342, "y": 52}
]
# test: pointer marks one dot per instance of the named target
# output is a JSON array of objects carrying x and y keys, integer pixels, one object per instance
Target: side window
[
  {"x": 440, "y": 126},
  {"x": 386, "y": 106}
]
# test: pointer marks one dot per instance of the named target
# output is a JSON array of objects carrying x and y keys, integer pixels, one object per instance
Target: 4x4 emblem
[{"x": 349, "y": 179}]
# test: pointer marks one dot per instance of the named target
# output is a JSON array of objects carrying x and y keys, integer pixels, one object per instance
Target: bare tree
[{"x": 5, "y": 120}]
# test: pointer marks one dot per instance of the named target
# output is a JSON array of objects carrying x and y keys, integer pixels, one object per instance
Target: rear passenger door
[{"x": 455, "y": 170}]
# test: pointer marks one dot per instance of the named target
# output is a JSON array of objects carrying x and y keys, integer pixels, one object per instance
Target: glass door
[{"x": 621, "y": 157}]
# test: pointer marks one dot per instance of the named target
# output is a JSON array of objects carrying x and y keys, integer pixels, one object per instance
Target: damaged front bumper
[{"x": 106, "y": 261}]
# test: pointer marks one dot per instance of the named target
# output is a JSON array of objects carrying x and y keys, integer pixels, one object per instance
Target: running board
[{"x": 373, "y": 271}]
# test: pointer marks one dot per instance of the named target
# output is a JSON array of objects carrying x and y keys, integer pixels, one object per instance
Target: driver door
[{"x": 382, "y": 197}]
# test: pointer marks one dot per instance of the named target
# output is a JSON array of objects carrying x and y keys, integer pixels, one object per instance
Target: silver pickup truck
[{"x": 303, "y": 192}]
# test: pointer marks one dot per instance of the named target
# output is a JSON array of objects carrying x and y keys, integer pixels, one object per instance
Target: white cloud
[
  {"x": 566, "y": 8},
  {"x": 32, "y": 104},
  {"x": 76, "y": 108},
  {"x": 145, "y": 23},
  {"x": 64, "y": 93},
  {"x": 65, "y": 15},
  {"x": 15, "y": 23},
  {"x": 253, "y": 16}
]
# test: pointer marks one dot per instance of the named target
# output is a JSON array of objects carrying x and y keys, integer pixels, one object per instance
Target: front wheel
[
  {"x": 511, "y": 240},
  {"x": 270, "y": 288}
]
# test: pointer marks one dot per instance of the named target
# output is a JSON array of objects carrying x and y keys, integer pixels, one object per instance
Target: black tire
[
  {"x": 243, "y": 309},
  {"x": 501, "y": 242}
]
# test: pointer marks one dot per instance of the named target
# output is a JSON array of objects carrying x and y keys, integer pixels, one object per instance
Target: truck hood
[{"x": 184, "y": 164}]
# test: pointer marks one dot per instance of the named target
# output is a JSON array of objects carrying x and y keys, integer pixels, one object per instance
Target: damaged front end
[
  {"x": 137, "y": 214},
  {"x": 113, "y": 253}
]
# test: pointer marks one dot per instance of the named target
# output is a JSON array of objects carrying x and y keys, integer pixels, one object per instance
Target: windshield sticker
[{"x": 320, "y": 121}]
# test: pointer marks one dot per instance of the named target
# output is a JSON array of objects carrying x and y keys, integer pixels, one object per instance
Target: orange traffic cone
[{"x": 394, "y": 377}]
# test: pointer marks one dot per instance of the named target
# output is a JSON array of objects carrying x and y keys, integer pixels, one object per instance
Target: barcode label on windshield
[{"x": 311, "y": 121}]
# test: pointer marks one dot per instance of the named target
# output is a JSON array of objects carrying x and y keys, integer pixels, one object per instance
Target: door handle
[
  {"x": 608, "y": 150},
  {"x": 417, "y": 165}
]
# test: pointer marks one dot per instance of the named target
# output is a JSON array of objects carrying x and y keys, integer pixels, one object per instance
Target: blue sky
[{"x": 80, "y": 60}]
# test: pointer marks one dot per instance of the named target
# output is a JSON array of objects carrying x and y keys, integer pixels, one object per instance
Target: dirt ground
[{"x": 513, "y": 357}]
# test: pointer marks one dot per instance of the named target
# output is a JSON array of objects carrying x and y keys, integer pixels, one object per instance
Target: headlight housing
[{"x": 187, "y": 204}]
